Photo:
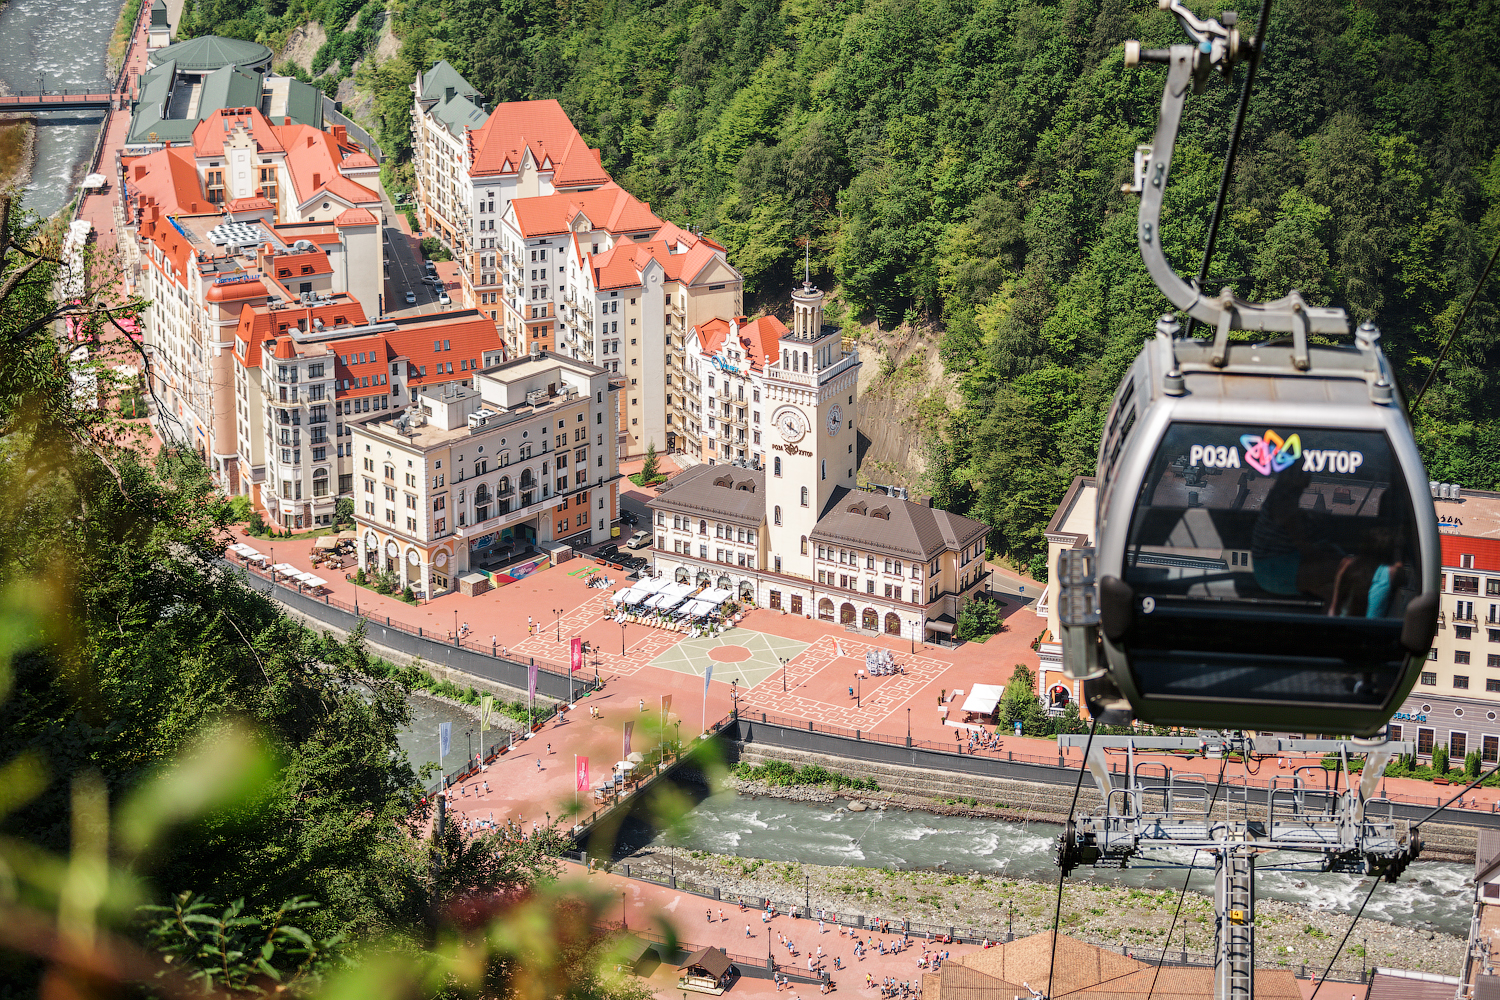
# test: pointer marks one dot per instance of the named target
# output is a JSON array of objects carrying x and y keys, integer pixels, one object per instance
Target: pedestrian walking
[
  {"x": 747, "y": 930},
  {"x": 721, "y": 914},
  {"x": 549, "y": 747},
  {"x": 539, "y": 763},
  {"x": 820, "y": 926},
  {"x": 643, "y": 704}
]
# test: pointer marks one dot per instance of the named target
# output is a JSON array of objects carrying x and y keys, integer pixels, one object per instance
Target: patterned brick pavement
[
  {"x": 823, "y": 673},
  {"x": 692, "y": 656}
]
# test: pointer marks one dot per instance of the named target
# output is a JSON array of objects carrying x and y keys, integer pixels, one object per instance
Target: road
[{"x": 403, "y": 273}]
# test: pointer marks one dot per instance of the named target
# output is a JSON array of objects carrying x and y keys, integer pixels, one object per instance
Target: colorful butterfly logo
[{"x": 1270, "y": 453}]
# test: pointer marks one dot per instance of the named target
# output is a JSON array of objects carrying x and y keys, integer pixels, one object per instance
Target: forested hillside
[{"x": 958, "y": 162}]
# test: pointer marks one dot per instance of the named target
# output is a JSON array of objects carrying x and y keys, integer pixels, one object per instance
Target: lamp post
[
  {"x": 784, "y": 662},
  {"x": 734, "y": 697},
  {"x": 807, "y": 896},
  {"x": 859, "y": 681},
  {"x": 623, "y": 920},
  {"x": 908, "y": 725},
  {"x": 622, "y": 647},
  {"x": 469, "y": 742},
  {"x": 455, "y": 626},
  {"x": 557, "y": 612},
  {"x": 273, "y": 568}
]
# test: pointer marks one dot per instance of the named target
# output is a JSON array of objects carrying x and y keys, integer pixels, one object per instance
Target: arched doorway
[
  {"x": 825, "y": 610},
  {"x": 747, "y": 590},
  {"x": 1059, "y": 696},
  {"x": 892, "y": 623},
  {"x": 725, "y": 583},
  {"x": 682, "y": 574},
  {"x": 846, "y": 614},
  {"x": 870, "y": 620},
  {"x": 702, "y": 578}
]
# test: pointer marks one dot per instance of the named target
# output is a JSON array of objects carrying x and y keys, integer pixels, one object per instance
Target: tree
[
  {"x": 649, "y": 470},
  {"x": 343, "y": 511},
  {"x": 977, "y": 619}
]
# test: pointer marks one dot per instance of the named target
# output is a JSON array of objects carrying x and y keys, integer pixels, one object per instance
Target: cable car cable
[
  {"x": 1192, "y": 866},
  {"x": 1473, "y": 296},
  {"x": 1062, "y": 872},
  {"x": 1234, "y": 147},
  {"x": 1460, "y": 794}
]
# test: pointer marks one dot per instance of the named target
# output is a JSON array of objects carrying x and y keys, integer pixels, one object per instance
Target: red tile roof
[
  {"x": 356, "y": 217},
  {"x": 758, "y": 338},
  {"x": 209, "y": 136},
  {"x": 1486, "y": 552},
  {"x": 168, "y": 177},
  {"x": 254, "y": 203},
  {"x": 292, "y": 265},
  {"x": 357, "y": 160},
  {"x": 542, "y": 129},
  {"x": 260, "y": 323},
  {"x": 682, "y": 256},
  {"x": 610, "y": 208}
]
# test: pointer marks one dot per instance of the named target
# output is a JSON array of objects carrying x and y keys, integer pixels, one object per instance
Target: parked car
[
  {"x": 634, "y": 563},
  {"x": 430, "y": 266},
  {"x": 629, "y": 517},
  {"x": 639, "y": 540},
  {"x": 443, "y": 299},
  {"x": 609, "y": 551},
  {"x": 411, "y": 298}
]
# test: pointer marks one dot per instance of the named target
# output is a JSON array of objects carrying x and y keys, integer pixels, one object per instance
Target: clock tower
[{"x": 811, "y": 390}]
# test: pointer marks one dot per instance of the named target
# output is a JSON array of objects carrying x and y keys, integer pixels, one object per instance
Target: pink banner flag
[
  {"x": 583, "y": 772},
  {"x": 629, "y": 726},
  {"x": 577, "y": 664},
  {"x": 666, "y": 704}
]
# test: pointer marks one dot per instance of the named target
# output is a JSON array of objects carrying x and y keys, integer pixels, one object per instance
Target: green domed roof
[{"x": 210, "y": 52}]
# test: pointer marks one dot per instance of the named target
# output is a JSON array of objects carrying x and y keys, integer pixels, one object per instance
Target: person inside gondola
[
  {"x": 1366, "y": 583},
  {"x": 1291, "y": 553}
]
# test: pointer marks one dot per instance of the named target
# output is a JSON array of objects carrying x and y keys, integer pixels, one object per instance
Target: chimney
[
  {"x": 140, "y": 171},
  {"x": 311, "y": 141},
  {"x": 448, "y": 93},
  {"x": 286, "y": 121},
  {"x": 317, "y": 180},
  {"x": 340, "y": 133}
]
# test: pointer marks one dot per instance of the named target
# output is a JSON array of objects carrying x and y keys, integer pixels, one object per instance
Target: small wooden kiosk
[{"x": 707, "y": 970}]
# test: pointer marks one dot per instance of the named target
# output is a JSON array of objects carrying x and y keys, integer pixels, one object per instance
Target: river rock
[{"x": 857, "y": 806}]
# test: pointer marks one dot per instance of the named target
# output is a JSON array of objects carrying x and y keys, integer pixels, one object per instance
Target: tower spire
[{"x": 807, "y": 260}]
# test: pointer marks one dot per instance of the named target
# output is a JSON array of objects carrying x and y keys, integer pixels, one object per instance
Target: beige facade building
[
  {"x": 796, "y": 534},
  {"x": 473, "y": 477}
]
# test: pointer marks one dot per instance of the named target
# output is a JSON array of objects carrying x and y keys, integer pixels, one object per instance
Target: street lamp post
[
  {"x": 734, "y": 697},
  {"x": 859, "y": 681},
  {"x": 469, "y": 742},
  {"x": 908, "y": 725},
  {"x": 622, "y": 647},
  {"x": 784, "y": 662},
  {"x": 558, "y": 613},
  {"x": 807, "y": 896},
  {"x": 455, "y": 626}
]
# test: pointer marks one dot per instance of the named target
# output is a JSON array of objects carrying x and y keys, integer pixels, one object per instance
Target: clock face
[
  {"x": 835, "y": 420},
  {"x": 791, "y": 424}
]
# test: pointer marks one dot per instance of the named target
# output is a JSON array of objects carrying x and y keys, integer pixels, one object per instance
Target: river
[
  {"x": 420, "y": 741},
  {"x": 1430, "y": 894},
  {"x": 57, "y": 44}
]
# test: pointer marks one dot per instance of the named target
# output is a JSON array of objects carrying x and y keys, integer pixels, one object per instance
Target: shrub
[
  {"x": 257, "y": 523},
  {"x": 408, "y": 595},
  {"x": 359, "y": 576},
  {"x": 241, "y": 507},
  {"x": 1471, "y": 764},
  {"x": 1440, "y": 760}
]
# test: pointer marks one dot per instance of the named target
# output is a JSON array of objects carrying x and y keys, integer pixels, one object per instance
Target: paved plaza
[{"x": 739, "y": 655}]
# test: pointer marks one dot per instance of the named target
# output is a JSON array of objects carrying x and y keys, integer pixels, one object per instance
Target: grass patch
[
  {"x": 120, "y": 40},
  {"x": 779, "y": 773}
]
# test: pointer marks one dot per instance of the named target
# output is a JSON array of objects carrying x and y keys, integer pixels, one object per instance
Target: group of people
[
  {"x": 980, "y": 739},
  {"x": 891, "y": 987}
]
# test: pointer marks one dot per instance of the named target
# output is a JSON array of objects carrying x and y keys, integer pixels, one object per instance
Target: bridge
[{"x": 45, "y": 101}]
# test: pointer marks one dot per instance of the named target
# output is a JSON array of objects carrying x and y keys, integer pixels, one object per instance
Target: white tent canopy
[
  {"x": 286, "y": 569},
  {"x": 699, "y": 608},
  {"x": 671, "y": 595},
  {"x": 314, "y": 581},
  {"x": 983, "y": 699},
  {"x": 715, "y": 596},
  {"x": 654, "y": 585},
  {"x": 627, "y": 596}
]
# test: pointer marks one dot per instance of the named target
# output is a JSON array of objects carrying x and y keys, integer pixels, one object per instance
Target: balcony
[{"x": 503, "y": 520}]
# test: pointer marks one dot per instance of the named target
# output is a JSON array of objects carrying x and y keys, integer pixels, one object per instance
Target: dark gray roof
[
  {"x": 722, "y": 491},
  {"x": 459, "y": 112},
  {"x": 875, "y": 521},
  {"x": 209, "y": 52}
]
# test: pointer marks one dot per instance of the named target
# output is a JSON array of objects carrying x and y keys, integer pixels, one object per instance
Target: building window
[
  {"x": 804, "y": 545},
  {"x": 804, "y": 503},
  {"x": 1492, "y": 684},
  {"x": 1432, "y": 653},
  {"x": 1460, "y": 682},
  {"x": 1463, "y": 631},
  {"x": 1465, "y": 584},
  {"x": 1458, "y": 745},
  {"x": 1424, "y": 742},
  {"x": 1461, "y": 656}
]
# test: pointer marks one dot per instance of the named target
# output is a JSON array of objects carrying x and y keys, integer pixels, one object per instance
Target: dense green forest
[{"x": 958, "y": 163}]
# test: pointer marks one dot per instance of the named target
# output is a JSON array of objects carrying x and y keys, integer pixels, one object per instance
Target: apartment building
[
  {"x": 472, "y": 476},
  {"x": 1071, "y": 527},
  {"x": 719, "y": 414},
  {"x": 796, "y": 534},
  {"x": 1456, "y": 702},
  {"x": 208, "y": 222},
  {"x": 667, "y": 286},
  {"x": 308, "y": 370},
  {"x": 470, "y": 163},
  {"x": 540, "y": 238}
]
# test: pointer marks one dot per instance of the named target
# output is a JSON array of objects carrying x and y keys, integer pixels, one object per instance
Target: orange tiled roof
[
  {"x": 542, "y": 129},
  {"x": 168, "y": 177},
  {"x": 609, "y": 208},
  {"x": 209, "y": 136},
  {"x": 356, "y": 217}
]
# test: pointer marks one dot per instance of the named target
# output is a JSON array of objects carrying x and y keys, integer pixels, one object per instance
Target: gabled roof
[
  {"x": 230, "y": 87},
  {"x": 261, "y": 323},
  {"x": 357, "y": 161},
  {"x": 209, "y": 136},
  {"x": 169, "y": 178},
  {"x": 610, "y": 209},
  {"x": 900, "y": 527},
  {"x": 542, "y": 130},
  {"x": 683, "y": 256},
  {"x": 458, "y": 113},
  {"x": 757, "y": 338}
]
